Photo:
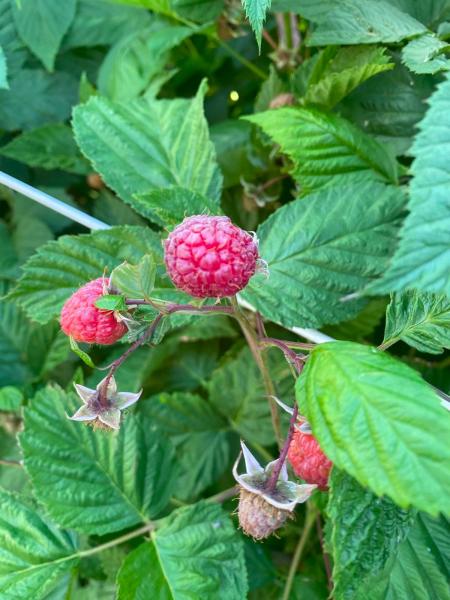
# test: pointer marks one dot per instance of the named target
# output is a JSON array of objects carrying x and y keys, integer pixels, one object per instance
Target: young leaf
[
  {"x": 316, "y": 257},
  {"x": 256, "y": 13},
  {"x": 419, "y": 568},
  {"x": 169, "y": 206},
  {"x": 365, "y": 532},
  {"x": 195, "y": 553},
  {"x": 419, "y": 319},
  {"x": 127, "y": 478},
  {"x": 111, "y": 302},
  {"x": 378, "y": 420},
  {"x": 34, "y": 553},
  {"x": 135, "y": 281},
  {"x": 60, "y": 267},
  {"x": 149, "y": 144},
  {"x": 326, "y": 149},
  {"x": 422, "y": 257},
  {"x": 42, "y": 24},
  {"x": 426, "y": 55},
  {"x": 48, "y": 147},
  {"x": 358, "y": 22},
  {"x": 202, "y": 437},
  {"x": 80, "y": 353}
]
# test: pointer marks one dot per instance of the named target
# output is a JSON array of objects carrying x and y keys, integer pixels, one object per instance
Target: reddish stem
[
  {"x": 297, "y": 360},
  {"x": 272, "y": 483},
  {"x": 326, "y": 558}
]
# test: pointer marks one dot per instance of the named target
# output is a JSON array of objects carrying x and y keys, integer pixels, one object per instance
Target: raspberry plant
[{"x": 235, "y": 386}]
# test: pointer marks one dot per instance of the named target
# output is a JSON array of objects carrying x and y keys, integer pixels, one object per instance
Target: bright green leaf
[
  {"x": 378, "y": 420},
  {"x": 34, "y": 553},
  {"x": 47, "y": 147},
  {"x": 256, "y": 13},
  {"x": 422, "y": 257},
  {"x": 11, "y": 398},
  {"x": 111, "y": 302},
  {"x": 51, "y": 275},
  {"x": 425, "y": 55},
  {"x": 126, "y": 478},
  {"x": 325, "y": 149},
  {"x": 366, "y": 530},
  {"x": 202, "y": 11},
  {"x": 149, "y": 144},
  {"x": 135, "y": 281},
  {"x": 195, "y": 553},
  {"x": 419, "y": 319},
  {"x": 42, "y": 25},
  {"x": 317, "y": 258},
  {"x": 358, "y": 22}
]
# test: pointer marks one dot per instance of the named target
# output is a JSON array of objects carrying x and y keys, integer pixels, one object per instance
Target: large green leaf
[
  {"x": 365, "y": 531},
  {"x": 202, "y": 437},
  {"x": 256, "y": 13},
  {"x": 42, "y": 25},
  {"x": 89, "y": 480},
  {"x": 60, "y": 267},
  {"x": 325, "y": 149},
  {"x": 316, "y": 257},
  {"x": 422, "y": 258},
  {"x": 149, "y": 144},
  {"x": 195, "y": 553},
  {"x": 48, "y": 147},
  {"x": 426, "y": 55},
  {"x": 358, "y": 22},
  {"x": 421, "y": 320},
  {"x": 419, "y": 569},
  {"x": 34, "y": 553},
  {"x": 378, "y": 420}
]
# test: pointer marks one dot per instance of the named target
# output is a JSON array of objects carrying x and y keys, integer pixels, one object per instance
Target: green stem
[
  {"x": 120, "y": 540},
  {"x": 388, "y": 344},
  {"x": 258, "y": 72},
  {"x": 310, "y": 519},
  {"x": 253, "y": 344}
]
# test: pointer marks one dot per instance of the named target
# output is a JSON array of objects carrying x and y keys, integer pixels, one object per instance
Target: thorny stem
[
  {"x": 326, "y": 558},
  {"x": 309, "y": 522},
  {"x": 273, "y": 480},
  {"x": 297, "y": 360},
  {"x": 255, "y": 350}
]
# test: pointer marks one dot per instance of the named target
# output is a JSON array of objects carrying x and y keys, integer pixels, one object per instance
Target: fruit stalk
[{"x": 272, "y": 483}]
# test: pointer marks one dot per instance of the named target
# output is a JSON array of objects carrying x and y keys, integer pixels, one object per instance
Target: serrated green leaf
[
  {"x": 419, "y": 568},
  {"x": 347, "y": 69},
  {"x": 11, "y": 398},
  {"x": 419, "y": 319},
  {"x": 84, "y": 356},
  {"x": 127, "y": 478},
  {"x": 135, "y": 281},
  {"x": 326, "y": 149},
  {"x": 48, "y": 147},
  {"x": 202, "y": 437},
  {"x": 316, "y": 257},
  {"x": 111, "y": 302},
  {"x": 60, "y": 267},
  {"x": 149, "y": 144},
  {"x": 422, "y": 257},
  {"x": 425, "y": 55},
  {"x": 358, "y": 22},
  {"x": 195, "y": 553},
  {"x": 34, "y": 553},
  {"x": 169, "y": 206},
  {"x": 3, "y": 71},
  {"x": 135, "y": 60},
  {"x": 33, "y": 17},
  {"x": 202, "y": 11},
  {"x": 256, "y": 13},
  {"x": 378, "y": 420},
  {"x": 366, "y": 531}
]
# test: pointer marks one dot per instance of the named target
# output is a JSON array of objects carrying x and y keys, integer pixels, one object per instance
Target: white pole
[{"x": 50, "y": 202}]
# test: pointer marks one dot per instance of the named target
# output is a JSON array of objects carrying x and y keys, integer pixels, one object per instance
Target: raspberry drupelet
[
  {"x": 83, "y": 321},
  {"x": 308, "y": 460},
  {"x": 209, "y": 257}
]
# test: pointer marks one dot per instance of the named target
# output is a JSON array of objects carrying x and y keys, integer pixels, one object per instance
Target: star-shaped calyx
[
  {"x": 264, "y": 507},
  {"x": 102, "y": 407}
]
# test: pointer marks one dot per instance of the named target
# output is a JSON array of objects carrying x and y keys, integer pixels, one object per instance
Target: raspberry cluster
[{"x": 209, "y": 257}]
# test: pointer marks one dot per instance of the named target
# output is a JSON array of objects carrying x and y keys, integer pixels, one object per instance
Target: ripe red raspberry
[
  {"x": 210, "y": 257},
  {"x": 81, "y": 319},
  {"x": 308, "y": 460}
]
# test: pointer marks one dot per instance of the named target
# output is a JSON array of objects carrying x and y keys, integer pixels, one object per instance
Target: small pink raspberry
[
  {"x": 209, "y": 257},
  {"x": 257, "y": 517},
  {"x": 308, "y": 460},
  {"x": 83, "y": 321}
]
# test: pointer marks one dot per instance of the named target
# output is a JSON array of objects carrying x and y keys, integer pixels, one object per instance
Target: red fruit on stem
[
  {"x": 308, "y": 460},
  {"x": 82, "y": 320},
  {"x": 209, "y": 257}
]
